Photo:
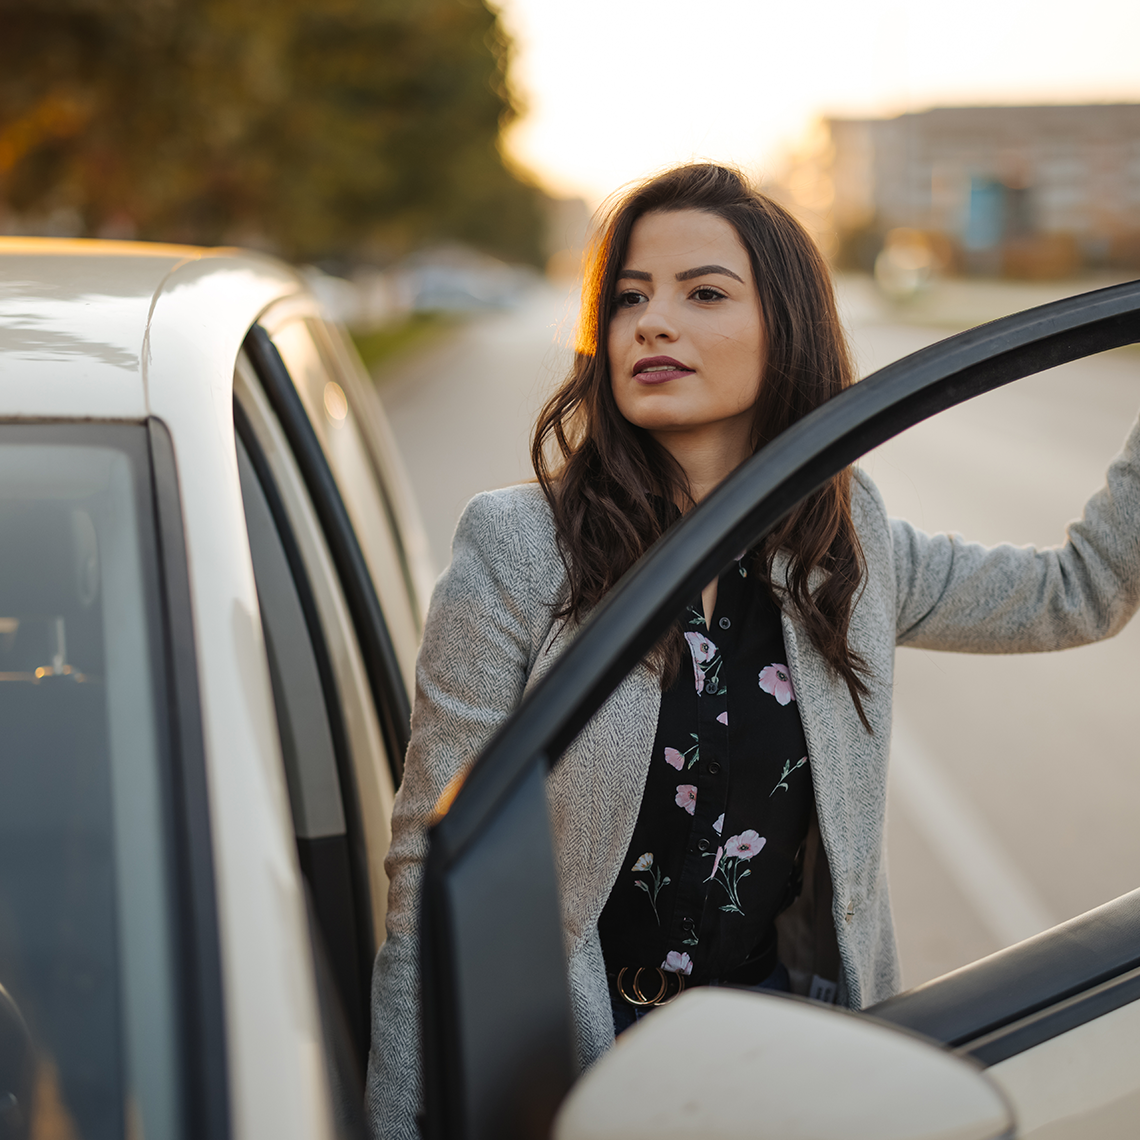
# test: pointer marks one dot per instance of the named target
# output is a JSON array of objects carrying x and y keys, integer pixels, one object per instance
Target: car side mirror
[{"x": 724, "y": 1062}]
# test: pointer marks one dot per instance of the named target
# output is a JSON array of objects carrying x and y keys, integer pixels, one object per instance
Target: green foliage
[
  {"x": 318, "y": 128},
  {"x": 382, "y": 346}
]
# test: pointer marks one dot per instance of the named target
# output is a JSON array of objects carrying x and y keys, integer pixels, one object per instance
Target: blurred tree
[{"x": 321, "y": 129}]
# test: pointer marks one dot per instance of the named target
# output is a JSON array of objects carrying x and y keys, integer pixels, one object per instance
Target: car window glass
[
  {"x": 987, "y": 741},
  {"x": 395, "y": 484},
  {"x": 87, "y": 1010},
  {"x": 302, "y": 718},
  {"x": 337, "y": 428}
]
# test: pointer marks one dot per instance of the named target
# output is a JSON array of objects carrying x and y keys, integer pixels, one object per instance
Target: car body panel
[
  {"x": 365, "y": 739},
  {"x": 1079, "y": 1085},
  {"x": 73, "y": 320},
  {"x": 200, "y": 318},
  {"x": 159, "y": 334}
]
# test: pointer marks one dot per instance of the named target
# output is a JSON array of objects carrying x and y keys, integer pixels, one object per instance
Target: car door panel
[
  {"x": 974, "y": 1008},
  {"x": 367, "y": 788},
  {"x": 304, "y": 693},
  {"x": 639, "y": 611},
  {"x": 1080, "y": 1085}
]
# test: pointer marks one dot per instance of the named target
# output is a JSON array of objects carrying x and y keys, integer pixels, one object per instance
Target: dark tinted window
[{"x": 87, "y": 1024}]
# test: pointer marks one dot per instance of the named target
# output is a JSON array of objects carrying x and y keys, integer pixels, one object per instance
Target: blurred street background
[{"x": 432, "y": 167}]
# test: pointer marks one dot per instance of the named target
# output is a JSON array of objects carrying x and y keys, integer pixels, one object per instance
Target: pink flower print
[
  {"x": 716, "y": 861},
  {"x": 677, "y": 963},
  {"x": 744, "y": 845},
  {"x": 700, "y": 647},
  {"x": 723, "y": 718},
  {"x": 776, "y": 679},
  {"x": 677, "y": 759},
  {"x": 702, "y": 650},
  {"x": 644, "y": 863},
  {"x": 718, "y": 827},
  {"x": 687, "y": 797}
]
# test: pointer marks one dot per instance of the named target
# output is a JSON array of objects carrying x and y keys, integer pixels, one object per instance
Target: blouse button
[
  {"x": 724, "y": 623},
  {"x": 714, "y": 767},
  {"x": 703, "y": 844},
  {"x": 687, "y": 922}
]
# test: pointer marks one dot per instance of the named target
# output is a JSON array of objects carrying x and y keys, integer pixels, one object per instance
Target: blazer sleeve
[
  {"x": 957, "y": 595},
  {"x": 477, "y": 648}
]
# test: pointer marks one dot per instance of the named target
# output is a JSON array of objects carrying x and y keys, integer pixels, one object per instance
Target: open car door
[{"x": 496, "y": 1016}]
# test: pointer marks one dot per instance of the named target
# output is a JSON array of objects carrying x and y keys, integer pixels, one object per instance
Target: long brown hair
[{"x": 612, "y": 487}]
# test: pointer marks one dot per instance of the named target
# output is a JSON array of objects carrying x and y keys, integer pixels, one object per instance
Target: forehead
[{"x": 681, "y": 239}]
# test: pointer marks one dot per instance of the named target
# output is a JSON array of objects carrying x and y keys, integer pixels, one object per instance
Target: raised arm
[{"x": 952, "y": 594}]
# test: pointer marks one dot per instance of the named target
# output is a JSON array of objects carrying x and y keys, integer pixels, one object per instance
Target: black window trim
[
  {"x": 333, "y": 341},
  {"x": 357, "y": 1020},
  {"x": 202, "y": 996},
  {"x": 381, "y": 664},
  {"x": 1026, "y": 994},
  {"x": 639, "y": 611}
]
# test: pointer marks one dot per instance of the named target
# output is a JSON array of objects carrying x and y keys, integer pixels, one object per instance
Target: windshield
[{"x": 86, "y": 1013}]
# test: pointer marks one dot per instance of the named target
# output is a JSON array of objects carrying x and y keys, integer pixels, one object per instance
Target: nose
[{"x": 654, "y": 322}]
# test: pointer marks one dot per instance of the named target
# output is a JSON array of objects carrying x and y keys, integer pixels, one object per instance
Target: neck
[{"x": 706, "y": 456}]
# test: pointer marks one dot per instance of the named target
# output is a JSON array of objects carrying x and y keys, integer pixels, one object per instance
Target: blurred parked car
[{"x": 211, "y": 588}]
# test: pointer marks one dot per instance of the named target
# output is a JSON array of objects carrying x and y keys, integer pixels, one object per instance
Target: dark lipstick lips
[{"x": 657, "y": 362}]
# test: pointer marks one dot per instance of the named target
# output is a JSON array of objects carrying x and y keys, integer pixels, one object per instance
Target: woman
[{"x": 721, "y": 818}]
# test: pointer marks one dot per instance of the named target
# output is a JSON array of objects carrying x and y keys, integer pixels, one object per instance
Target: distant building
[{"x": 1026, "y": 191}]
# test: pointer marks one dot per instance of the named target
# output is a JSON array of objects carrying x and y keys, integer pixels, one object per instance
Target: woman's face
[{"x": 686, "y": 341}]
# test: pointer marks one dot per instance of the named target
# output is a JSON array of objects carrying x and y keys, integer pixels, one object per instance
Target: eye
[
  {"x": 707, "y": 293},
  {"x": 627, "y": 298}
]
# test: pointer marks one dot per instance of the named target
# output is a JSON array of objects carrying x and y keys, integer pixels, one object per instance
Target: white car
[{"x": 211, "y": 588}]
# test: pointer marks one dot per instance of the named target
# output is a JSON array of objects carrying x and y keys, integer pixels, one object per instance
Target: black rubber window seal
[
  {"x": 208, "y": 1100},
  {"x": 1065, "y": 1016},
  {"x": 349, "y": 791},
  {"x": 380, "y": 662}
]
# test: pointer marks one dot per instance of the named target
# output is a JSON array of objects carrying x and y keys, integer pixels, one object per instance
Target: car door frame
[{"x": 473, "y": 942}]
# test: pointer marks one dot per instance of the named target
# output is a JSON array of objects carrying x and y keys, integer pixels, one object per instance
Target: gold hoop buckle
[{"x": 638, "y": 998}]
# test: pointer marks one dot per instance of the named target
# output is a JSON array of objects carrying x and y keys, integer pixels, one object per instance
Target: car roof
[{"x": 80, "y": 321}]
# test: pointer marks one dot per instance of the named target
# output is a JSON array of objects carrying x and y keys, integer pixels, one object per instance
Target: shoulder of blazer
[
  {"x": 511, "y": 522},
  {"x": 867, "y": 506},
  {"x": 512, "y": 529}
]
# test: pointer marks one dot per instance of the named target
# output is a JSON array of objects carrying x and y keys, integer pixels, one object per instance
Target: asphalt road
[{"x": 1014, "y": 785}]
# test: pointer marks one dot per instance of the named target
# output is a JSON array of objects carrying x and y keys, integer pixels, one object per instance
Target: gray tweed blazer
[{"x": 489, "y": 637}]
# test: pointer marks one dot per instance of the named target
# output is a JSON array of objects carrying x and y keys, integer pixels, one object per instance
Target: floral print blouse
[{"x": 727, "y": 799}]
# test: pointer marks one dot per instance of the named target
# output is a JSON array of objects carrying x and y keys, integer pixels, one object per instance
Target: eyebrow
[
  {"x": 686, "y": 275},
  {"x": 702, "y": 270}
]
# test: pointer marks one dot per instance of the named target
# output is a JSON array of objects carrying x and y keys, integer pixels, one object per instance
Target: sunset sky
[{"x": 618, "y": 88}]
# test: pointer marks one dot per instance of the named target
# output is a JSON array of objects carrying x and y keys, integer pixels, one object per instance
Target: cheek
[
  {"x": 743, "y": 362},
  {"x": 750, "y": 366}
]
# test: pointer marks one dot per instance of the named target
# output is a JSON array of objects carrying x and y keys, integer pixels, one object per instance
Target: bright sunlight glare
[{"x": 618, "y": 88}]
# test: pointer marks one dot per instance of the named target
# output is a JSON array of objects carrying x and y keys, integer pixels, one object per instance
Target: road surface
[{"x": 1015, "y": 783}]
